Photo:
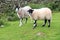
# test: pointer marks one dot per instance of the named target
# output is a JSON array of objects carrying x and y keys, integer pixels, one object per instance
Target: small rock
[
  {"x": 2, "y": 25},
  {"x": 40, "y": 33}
]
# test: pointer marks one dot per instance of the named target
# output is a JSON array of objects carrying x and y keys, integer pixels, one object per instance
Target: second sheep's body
[{"x": 22, "y": 13}]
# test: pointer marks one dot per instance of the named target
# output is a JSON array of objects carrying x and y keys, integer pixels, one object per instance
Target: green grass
[
  {"x": 12, "y": 31},
  {"x": 37, "y": 6}
]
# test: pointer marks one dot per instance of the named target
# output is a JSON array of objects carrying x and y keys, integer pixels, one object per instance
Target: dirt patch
[{"x": 40, "y": 34}]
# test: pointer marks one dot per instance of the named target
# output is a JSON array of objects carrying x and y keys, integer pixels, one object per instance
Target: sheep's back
[{"x": 45, "y": 13}]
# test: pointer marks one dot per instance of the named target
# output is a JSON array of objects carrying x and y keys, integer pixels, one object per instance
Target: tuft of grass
[{"x": 37, "y": 6}]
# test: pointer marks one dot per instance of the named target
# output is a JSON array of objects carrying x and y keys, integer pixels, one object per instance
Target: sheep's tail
[{"x": 51, "y": 15}]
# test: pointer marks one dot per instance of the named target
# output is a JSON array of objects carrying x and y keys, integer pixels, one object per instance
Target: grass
[{"x": 12, "y": 31}]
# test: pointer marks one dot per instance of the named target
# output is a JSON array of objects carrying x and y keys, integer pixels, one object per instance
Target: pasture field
[{"x": 12, "y": 31}]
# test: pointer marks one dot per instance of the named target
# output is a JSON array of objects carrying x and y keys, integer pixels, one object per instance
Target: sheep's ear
[
  {"x": 17, "y": 7},
  {"x": 30, "y": 11}
]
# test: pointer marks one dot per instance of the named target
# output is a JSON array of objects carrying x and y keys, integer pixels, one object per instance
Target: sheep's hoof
[
  {"x": 48, "y": 25},
  {"x": 34, "y": 26},
  {"x": 43, "y": 25},
  {"x": 20, "y": 25}
]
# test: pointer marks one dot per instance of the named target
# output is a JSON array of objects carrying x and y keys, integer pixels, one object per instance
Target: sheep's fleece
[{"x": 43, "y": 13}]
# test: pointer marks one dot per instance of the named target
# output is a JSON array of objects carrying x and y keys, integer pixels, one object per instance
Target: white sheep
[
  {"x": 43, "y": 14},
  {"x": 22, "y": 13}
]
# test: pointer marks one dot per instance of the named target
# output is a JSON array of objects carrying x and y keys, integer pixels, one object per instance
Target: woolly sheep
[
  {"x": 43, "y": 14},
  {"x": 22, "y": 13}
]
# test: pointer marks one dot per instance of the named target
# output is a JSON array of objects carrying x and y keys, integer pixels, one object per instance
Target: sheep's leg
[
  {"x": 48, "y": 23},
  {"x": 35, "y": 24},
  {"x": 21, "y": 22},
  {"x": 26, "y": 20},
  {"x": 45, "y": 21}
]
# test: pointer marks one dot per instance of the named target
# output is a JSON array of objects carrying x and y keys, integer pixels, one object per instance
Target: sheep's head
[
  {"x": 17, "y": 8},
  {"x": 30, "y": 11}
]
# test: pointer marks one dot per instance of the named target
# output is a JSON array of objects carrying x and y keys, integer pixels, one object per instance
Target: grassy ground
[{"x": 12, "y": 31}]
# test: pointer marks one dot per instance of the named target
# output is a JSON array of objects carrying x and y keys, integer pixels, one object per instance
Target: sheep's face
[
  {"x": 30, "y": 11},
  {"x": 17, "y": 8}
]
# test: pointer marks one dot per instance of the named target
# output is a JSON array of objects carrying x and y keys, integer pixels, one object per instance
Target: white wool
[
  {"x": 23, "y": 11},
  {"x": 41, "y": 13}
]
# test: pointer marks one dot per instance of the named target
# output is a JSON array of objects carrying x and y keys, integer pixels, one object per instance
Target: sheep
[
  {"x": 41, "y": 14},
  {"x": 22, "y": 13}
]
